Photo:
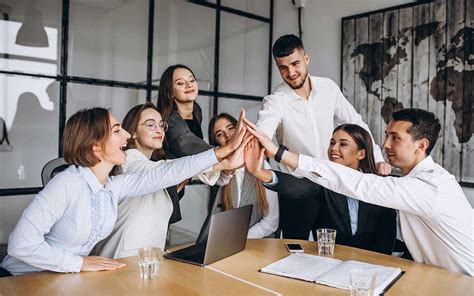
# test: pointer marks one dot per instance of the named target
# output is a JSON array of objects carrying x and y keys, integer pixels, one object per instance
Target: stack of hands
[{"x": 247, "y": 146}]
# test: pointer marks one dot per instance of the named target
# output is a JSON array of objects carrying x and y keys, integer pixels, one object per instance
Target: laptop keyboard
[{"x": 193, "y": 253}]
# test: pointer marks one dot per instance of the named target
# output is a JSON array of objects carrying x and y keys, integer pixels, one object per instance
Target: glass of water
[
  {"x": 362, "y": 282},
  {"x": 149, "y": 259},
  {"x": 326, "y": 238}
]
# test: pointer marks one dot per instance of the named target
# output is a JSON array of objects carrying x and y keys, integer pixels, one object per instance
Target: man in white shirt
[
  {"x": 436, "y": 219},
  {"x": 303, "y": 112}
]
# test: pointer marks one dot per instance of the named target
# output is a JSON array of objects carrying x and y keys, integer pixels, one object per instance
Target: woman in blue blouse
[{"x": 78, "y": 207}]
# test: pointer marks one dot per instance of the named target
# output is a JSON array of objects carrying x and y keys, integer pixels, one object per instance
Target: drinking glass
[
  {"x": 326, "y": 238},
  {"x": 149, "y": 259}
]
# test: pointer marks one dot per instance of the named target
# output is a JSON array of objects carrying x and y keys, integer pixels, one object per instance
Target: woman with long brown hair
[
  {"x": 241, "y": 187},
  {"x": 357, "y": 223}
]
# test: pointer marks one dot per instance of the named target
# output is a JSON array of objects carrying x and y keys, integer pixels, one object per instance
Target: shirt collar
[
  {"x": 427, "y": 162},
  {"x": 135, "y": 154},
  {"x": 92, "y": 180},
  {"x": 292, "y": 94}
]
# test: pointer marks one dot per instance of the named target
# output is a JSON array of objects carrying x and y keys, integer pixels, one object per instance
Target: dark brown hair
[
  {"x": 286, "y": 45},
  {"x": 212, "y": 123},
  {"x": 424, "y": 125},
  {"x": 166, "y": 103},
  {"x": 130, "y": 124},
  {"x": 262, "y": 201},
  {"x": 84, "y": 129},
  {"x": 363, "y": 140}
]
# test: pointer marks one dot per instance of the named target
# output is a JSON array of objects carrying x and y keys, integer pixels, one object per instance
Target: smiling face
[
  {"x": 185, "y": 87},
  {"x": 402, "y": 151},
  {"x": 149, "y": 135},
  {"x": 223, "y": 131},
  {"x": 344, "y": 150},
  {"x": 112, "y": 152},
  {"x": 294, "y": 68}
]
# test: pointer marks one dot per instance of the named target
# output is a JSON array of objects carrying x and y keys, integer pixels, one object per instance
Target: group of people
[{"x": 123, "y": 187}]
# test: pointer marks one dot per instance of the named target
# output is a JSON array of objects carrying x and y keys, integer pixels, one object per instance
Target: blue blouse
[{"x": 74, "y": 212}]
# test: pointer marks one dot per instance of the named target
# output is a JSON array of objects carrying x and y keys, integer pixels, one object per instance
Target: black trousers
[
  {"x": 4, "y": 272},
  {"x": 297, "y": 216}
]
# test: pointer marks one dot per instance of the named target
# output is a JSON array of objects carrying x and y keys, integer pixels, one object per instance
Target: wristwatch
[{"x": 279, "y": 153}]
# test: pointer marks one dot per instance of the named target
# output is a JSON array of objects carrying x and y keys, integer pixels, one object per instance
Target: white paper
[
  {"x": 339, "y": 276},
  {"x": 305, "y": 267}
]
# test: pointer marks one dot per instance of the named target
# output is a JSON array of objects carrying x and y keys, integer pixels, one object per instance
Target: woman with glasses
[
  {"x": 78, "y": 207},
  {"x": 143, "y": 221}
]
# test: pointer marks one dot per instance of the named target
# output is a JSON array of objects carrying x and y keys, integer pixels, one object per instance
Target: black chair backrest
[{"x": 51, "y": 168}]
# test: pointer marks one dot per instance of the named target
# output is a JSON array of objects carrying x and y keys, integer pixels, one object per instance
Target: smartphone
[{"x": 294, "y": 248}]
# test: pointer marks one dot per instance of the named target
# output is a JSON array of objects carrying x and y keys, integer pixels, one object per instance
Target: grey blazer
[{"x": 181, "y": 141}]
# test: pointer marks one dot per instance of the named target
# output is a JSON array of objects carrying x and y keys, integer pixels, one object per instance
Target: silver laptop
[{"x": 227, "y": 236}]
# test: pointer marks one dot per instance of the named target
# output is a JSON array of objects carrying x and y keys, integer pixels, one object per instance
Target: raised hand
[
  {"x": 236, "y": 159},
  {"x": 254, "y": 161},
  {"x": 98, "y": 263},
  {"x": 267, "y": 143},
  {"x": 253, "y": 156}
]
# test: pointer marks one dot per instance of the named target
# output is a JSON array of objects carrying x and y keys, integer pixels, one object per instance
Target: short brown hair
[{"x": 84, "y": 129}]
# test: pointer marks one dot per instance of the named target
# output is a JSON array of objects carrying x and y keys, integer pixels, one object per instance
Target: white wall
[{"x": 321, "y": 26}]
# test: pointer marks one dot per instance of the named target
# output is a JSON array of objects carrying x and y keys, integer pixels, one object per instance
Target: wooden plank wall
[
  {"x": 412, "y": 57},
  {"x": 348, "y": 62},
  {"x": 467, "y": 170},
  {"x": 437, "y": 58},
  {"x": 374, "y": 82}
]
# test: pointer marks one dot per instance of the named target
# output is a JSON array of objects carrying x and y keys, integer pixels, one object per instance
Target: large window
[
  {"x": 57, "y": 57},
  {"x": 86, "y": 53}
]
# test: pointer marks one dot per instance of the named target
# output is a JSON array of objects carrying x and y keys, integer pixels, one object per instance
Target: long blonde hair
[{"x": 262, "y": 202}]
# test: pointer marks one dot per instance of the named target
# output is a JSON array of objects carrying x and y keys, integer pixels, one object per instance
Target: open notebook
[{"x": 329, "y": 271}]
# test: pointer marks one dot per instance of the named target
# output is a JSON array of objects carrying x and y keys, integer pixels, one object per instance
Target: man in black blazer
[{"x": 376, "y": 226}]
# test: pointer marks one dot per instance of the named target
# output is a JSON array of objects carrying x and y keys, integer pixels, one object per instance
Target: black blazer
[
  {"x": 181, "y": 140},
  {"x": 376, "y": 225}
]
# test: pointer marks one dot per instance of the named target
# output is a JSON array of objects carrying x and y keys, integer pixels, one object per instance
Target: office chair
[{"x": 51, "y": 168}]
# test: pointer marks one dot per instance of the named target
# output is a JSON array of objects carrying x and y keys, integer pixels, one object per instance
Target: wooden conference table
[{"x": 235, "y": 275}]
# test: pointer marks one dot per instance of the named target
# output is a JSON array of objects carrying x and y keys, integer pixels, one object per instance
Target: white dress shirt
[
  {"x": 269, "y": 223},
  {"x": 436, "y": 219},
  {"x": 306, "y": 126},
  {"x": 74, "y": 212}
]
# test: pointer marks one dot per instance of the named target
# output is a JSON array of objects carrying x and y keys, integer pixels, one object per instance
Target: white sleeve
[
  {"x": 27, "y": 241},
  {"x": 345, "y": 113},
  {"x": 269, "y": 223},
  {"x": 224, "y": 179},
  {"x": 408, "y": 194},
  {"x": 164, "y": 175},
  {"x": 269, "y": 117},
  {"x": 209, "y": 177}
]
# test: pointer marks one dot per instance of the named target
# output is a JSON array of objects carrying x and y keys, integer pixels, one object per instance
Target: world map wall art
[{"x": 418, "y": 55}]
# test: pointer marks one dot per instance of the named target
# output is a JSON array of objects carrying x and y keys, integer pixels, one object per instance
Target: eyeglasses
[{"x": 152, "y": 125}]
